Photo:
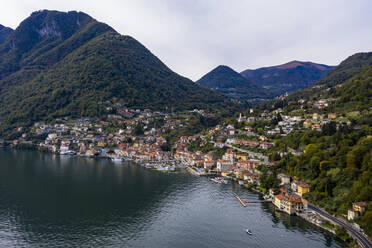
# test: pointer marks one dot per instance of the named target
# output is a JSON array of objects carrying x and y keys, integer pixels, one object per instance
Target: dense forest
[{"x": 337, "y": 163}]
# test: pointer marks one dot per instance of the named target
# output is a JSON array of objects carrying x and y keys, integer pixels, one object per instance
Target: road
[{"x": 362, "y": 240}]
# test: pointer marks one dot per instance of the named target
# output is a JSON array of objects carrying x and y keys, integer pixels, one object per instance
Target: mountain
[
  {"x": 225, "y": 80},
  {"x": 355, "y": 94},
  {"x": 288, "y": 77},
  {"x": 65, "y": 64},
  {"x": 346, "y": 70},
  {"x": 4, "y": 33}
]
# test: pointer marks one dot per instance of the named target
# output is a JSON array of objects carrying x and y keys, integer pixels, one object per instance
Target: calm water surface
[{"x": 53, "y": 201}]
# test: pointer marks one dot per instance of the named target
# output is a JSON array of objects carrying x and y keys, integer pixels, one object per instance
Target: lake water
[{"x": 55, "y": 201}]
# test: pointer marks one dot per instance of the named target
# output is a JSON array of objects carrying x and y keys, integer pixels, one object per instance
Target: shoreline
[{"x": 187, "y": 168}]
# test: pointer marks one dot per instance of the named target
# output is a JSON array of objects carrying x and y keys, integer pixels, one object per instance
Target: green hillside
[
  {"x": 347, "y": 69},
  {"x": 64, "y": 64},
  {"x": 337, "y": 162},
  {"x": 355, "y": 94}
]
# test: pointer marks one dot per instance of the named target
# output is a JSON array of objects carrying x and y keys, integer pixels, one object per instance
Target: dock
[{"x": 240, "y": 200}]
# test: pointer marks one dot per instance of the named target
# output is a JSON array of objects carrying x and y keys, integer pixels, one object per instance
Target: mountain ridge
[
  {"x": 345, "y": 71},
  {"x": 287, "y": 77},
  {"x": 4, "y": 33},
  {"x": 67, "y": 69}
]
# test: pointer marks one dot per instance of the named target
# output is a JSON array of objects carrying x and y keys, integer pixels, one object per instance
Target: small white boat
[
  {"x": 249, "y": 231},
  {"x": 219, "y": 180},
  {"x": 117, "y": 159}
]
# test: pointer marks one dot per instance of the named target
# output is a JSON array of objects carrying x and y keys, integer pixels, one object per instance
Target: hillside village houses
[{"x": 117, "y": 136}]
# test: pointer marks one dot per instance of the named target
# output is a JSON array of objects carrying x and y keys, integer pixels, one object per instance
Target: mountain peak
[
  {"x": 50, "y": 33},
  {"x": 224, "y": 69},
  {"x": 4, "y": 33},
  {"x": 225, "y": 80},
  {"x": 291, "y": 64},
  {"x": 55, "y": 23}
]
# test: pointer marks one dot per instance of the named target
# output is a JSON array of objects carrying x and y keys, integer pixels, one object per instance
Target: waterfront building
[
  {"x": 224, "y": 165},
  {"x": 289, "y": 204}
]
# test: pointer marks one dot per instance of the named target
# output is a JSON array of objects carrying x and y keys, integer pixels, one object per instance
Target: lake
[{"x": 48, "y": 200}]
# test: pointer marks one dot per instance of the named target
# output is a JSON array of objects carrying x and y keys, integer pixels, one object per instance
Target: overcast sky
[{"x": 192, "y": 37}]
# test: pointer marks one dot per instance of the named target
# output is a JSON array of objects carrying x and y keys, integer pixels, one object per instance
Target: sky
[{"x": 193, "y": 37}]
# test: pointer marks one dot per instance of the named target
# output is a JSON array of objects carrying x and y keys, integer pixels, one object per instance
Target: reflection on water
[{"x": 56, "y": 201}]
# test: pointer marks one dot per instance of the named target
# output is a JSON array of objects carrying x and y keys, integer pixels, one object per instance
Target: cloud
[{"x": 192, "y": 37}]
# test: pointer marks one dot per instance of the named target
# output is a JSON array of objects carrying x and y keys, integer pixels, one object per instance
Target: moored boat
[{"x": 117, "y": 159}]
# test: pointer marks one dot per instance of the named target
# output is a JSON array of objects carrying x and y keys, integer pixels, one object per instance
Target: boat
[
  {"x": 117, "y": 159},
  {"x": 249, "y": 231},
  {"x": 68, "y": 152},
  {"x": 219, "y": 180}
]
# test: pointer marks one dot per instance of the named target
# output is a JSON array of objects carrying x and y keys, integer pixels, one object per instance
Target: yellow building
[
  {"x": 303, "y": 188},
  {"x": 242, "y": 156},
  {"x": 289, "y": 204}
]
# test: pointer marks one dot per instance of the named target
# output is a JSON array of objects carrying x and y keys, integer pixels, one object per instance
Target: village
[{"x": 237, "y": 150}]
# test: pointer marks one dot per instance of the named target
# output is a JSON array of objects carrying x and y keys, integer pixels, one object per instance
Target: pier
[{"x": 240, "y": 200}]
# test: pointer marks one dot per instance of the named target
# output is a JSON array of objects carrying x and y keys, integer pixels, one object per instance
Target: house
[
  {"x": 300, "y": 188},
  {"x": 307, "y": 123},
  {"x": 316, "y": 126},
  {"x": 210, "y": 156},
  {"x": 239, "y": 174},
  {"x": 316, "y": 117},
  {"x": 219, "y": 144},
  {"x": 266, "y": 145},
  {"x": 360, "y": 207},
  {"x": 284, "y": 179},
  {"x": 209, "y": 164},
  {"x": 250, "y": 143},
  {"x": 242, "y": 156},
  {"x": 229, "y": 155},
  {"x": 289, "y": 204},
  {"x": 247, "y": 164},
  {"x": 230, "y": 130},
  {"x": 351, "y": 214},
  {"x": 224, "y": 165}
]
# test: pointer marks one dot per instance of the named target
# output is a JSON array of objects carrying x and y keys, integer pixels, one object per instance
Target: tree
[{"x": 138, "y": 130}]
